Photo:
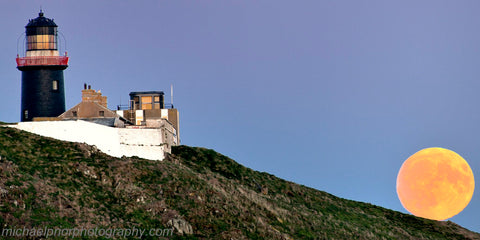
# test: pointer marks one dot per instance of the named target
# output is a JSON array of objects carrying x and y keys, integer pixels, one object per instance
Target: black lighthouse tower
[{"x": 43, "y": 93}]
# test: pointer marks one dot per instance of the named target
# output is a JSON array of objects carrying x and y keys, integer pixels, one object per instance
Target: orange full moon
[{"x": 435, "y": 183}]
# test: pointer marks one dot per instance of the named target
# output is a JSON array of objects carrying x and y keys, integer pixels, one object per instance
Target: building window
[
  {"x": 25, "y": 114},
  {"x": 146, "y": 102},
  {"x": 75, "y": 113},
  {"x": 136, "y": 102},
  {"x": 101, "y": 113},
  {"x": 156, "y": 102},
  {"x": 55, "y": 85}
]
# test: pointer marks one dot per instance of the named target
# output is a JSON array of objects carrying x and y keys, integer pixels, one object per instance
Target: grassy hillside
[{"x": 200, "y": 193}]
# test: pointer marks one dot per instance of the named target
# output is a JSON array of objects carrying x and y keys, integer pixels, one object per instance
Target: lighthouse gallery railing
[{"x": 42, "y": 61}]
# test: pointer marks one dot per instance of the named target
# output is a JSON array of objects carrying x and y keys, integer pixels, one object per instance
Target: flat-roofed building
[
  {"x": 149, "y": 106},
  {"x": 147, "y": 100}
]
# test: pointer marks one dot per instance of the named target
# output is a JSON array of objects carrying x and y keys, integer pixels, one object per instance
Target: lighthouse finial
[{"x": 41, "y": 11}]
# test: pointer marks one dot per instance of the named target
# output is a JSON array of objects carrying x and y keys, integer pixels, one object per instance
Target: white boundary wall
[{"x": 116, "y": 142}]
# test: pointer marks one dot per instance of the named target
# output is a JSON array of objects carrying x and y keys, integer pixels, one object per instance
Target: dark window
[
  {"x": 74, "y": 113},
  {"x": 25, "y": 114},
  {"x": 101, "y": 113},
  {"x": 136, "y": 101}
]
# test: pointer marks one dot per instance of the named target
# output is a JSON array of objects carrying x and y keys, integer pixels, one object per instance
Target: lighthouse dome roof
[{"x": 41, "y": 21}]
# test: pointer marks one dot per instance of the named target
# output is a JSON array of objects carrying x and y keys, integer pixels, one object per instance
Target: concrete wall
[
  {"x": 140, "y": 117},
  {"x": 117, "y": 142},
  {"x": 174, "y": 118}
]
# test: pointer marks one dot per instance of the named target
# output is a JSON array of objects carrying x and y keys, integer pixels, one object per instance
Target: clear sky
[{"x": 334, "y": 95}]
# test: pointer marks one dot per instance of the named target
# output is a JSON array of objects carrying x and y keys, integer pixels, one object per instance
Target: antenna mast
[{"x": 171, "y": 94}]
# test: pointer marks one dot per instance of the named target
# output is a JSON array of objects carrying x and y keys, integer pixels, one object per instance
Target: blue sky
[{"x": 334, "y": 95}]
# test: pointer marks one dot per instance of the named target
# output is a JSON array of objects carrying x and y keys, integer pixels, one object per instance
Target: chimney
[{"x": 90, "y": 95}]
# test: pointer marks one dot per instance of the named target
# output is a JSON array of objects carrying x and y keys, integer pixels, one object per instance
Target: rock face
[
  {"x": 195, "y": 193},
  {"x": 180, "y": 225}
]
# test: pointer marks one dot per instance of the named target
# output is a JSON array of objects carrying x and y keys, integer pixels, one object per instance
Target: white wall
[{"x": 117, "y": 142}]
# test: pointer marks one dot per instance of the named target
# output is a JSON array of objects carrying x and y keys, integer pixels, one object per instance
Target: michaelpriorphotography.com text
[{"x": 86, "y": 232}]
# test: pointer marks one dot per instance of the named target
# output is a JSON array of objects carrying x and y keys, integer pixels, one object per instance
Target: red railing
[{"x": 42, "y": 61}]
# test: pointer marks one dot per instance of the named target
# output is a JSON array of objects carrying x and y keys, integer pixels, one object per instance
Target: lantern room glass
[{"x": 42, "y": 38}]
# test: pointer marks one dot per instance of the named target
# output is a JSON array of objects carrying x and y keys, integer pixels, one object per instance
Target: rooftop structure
[{"x": 147, "y": 100}]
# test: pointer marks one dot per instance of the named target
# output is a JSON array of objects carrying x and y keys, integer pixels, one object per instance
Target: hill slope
[{"x": 198, "y": 192}]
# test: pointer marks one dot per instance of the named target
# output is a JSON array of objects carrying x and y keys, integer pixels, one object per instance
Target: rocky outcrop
[{"x": 181, "y": 226}]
